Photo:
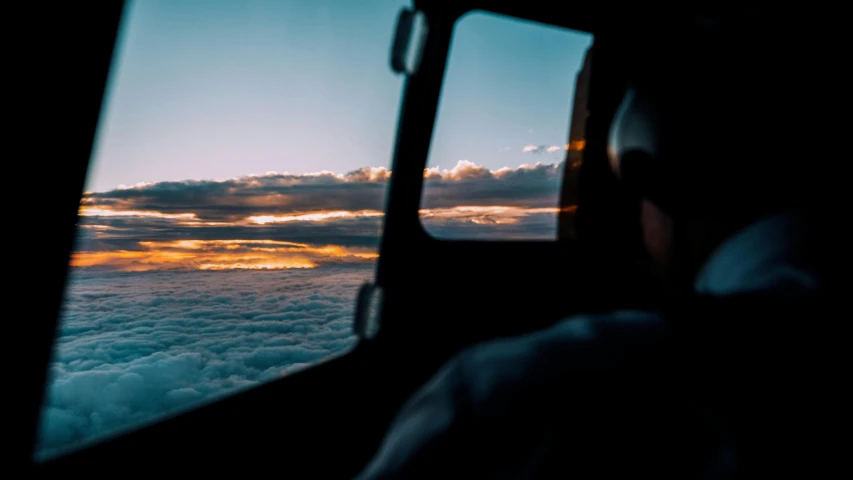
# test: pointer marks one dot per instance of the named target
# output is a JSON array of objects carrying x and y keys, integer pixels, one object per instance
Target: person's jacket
[{"x": 708, "y": 390}]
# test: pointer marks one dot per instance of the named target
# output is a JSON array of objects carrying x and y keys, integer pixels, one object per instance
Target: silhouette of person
[{"x": 602, "y": 395}]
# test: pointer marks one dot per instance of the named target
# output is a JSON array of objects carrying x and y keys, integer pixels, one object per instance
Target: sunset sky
[
  {"x": 262, "y": 131},
  {"x": 241, "y": 87},
  {"x": 301, "y": 221},
  {"x": 236, "y": 192}
]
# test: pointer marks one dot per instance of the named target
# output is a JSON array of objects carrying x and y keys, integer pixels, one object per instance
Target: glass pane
[
  {"x": 501, "y": 140},
  {"x": 199, "y": 270}
]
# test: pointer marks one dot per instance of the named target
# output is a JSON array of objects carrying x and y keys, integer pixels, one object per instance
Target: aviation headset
[{"x": 698, "y": 127}]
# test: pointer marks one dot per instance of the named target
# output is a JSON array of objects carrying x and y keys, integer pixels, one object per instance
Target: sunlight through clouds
[
  {"x": 279, "y": 221},
  {"x": 181, "y": 292}
]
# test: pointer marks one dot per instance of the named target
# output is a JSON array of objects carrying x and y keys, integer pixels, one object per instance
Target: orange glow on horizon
[
  {"x": 221, "y": 255},
  {"x": 313, "y": 217},
  {"x": 106, "y": 212},
  {"x": 268, "y": 254},
  {"x": 482, "y": 215},
  {"x": 475, "y": 213},
  {"x": 192, "y": 220},
  {"x": 576, "y": 145},
  {"x": 200, "y": 244}
]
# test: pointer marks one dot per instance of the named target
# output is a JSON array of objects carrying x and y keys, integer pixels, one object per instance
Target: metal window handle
[
  {"x": 409, "y": 40},
  {"x": 368, "y": 311}
]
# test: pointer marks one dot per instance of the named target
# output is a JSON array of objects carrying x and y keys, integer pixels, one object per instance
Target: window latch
[
  {"x": 409, "y": 41},
  {"x": 368, "y": 307}
]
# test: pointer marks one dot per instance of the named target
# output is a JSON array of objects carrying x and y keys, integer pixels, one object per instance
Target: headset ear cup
[
  {"x": 634, "y": 166},
  {"x": 643, "y": 176}
]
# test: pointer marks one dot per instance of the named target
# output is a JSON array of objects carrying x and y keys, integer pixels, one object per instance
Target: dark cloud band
[{"x": 468, "y": 201}]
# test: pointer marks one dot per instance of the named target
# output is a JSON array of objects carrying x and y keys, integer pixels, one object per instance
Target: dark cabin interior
[{"x": 345, "y": 404}]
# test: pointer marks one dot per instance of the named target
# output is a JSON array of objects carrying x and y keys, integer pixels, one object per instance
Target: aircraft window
[
  {"x": 502, "y": 136},
  {"x": 199, "y": 271}
]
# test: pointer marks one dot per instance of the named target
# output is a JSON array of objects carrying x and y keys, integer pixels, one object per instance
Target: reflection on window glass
[
  {"x": 502, "y": 140},
  {"x": 198, "y": 269}
]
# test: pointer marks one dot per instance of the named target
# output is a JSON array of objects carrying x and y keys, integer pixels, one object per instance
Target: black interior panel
[{"x": 439, "y": 295}]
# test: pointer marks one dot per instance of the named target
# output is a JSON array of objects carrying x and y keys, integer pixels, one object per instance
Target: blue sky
[
  {"x": 508, "y": 84},
  {"x": 225, "y": 88},
  {"x": 216, "y": 90}
]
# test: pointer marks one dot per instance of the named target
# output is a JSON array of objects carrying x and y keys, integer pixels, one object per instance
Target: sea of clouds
[
  {"x": 134, "y": 347},
  {"x": 147, "y": 332}
]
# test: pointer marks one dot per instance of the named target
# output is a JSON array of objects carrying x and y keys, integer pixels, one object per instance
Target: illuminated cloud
[
  {"x": 312, "y": 217},
  {"x": 301, "y": 198},
  {"x": 102, "y": 212},
  {"x": 131, "y": 228},
  {"x": 468, "y": 184},
  {"x": 134, "y": 347},
  {"x": 282, "y": 194},
  {"x": 185, "y": 291},
  {"x": 493, "y": 215},
  {"x": 221, "y": 255},
  {"x": 543, "y": 148}
]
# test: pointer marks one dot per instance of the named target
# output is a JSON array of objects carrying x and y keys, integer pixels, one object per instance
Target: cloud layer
[
  {"x": 305, "y": 220},
  {"x": 185, "y": 291},
  {"x": 133, "y": 347}
]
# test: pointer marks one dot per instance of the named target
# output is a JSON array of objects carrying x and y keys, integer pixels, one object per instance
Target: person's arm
[
  {"x": 423, "y": 440},
  {"x": 503, "y": 407}
]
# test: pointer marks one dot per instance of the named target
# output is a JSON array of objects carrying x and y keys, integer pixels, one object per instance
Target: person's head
[{"x": 704, "y": 140}]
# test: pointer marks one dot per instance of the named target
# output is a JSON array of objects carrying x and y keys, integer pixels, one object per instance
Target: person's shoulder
[
  {"x": 576, "y": 344},
  {"x": 491, "y": 398},
  {"x": 571, "y": 336},
  {"x": 784, "y": 253}
]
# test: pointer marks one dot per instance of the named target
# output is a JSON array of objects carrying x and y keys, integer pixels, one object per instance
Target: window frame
[{"x": 561, "y": 229}]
